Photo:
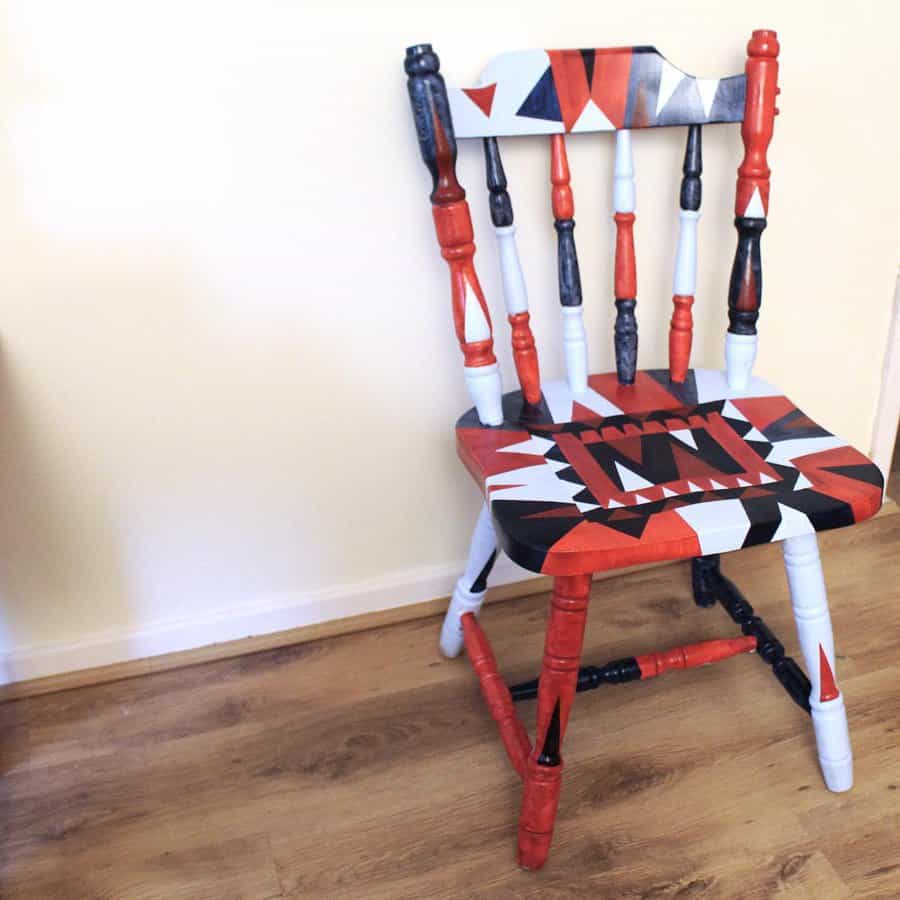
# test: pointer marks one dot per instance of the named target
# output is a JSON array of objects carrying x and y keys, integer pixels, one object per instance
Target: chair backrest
[{"x": 557, "y": 92}]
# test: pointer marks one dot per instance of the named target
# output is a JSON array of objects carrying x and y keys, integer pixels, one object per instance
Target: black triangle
[
  {"x": 587, "y": 57},
  {"x": 542, "y": 102},
  {"x": 866, "y": 472}
]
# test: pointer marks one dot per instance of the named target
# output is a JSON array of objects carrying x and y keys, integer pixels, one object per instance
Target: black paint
[
  {"x": 480, "y": 583},
  {"x": 770, "y": 650},
  {"x": 589, "y": 677},
  {"x": 501, "y": 205},
  {"x": 691, "y": 187},
  {"x": 428, "y": 98},
  {"x": 626, "y": 340},
  {"x": 549, "y": 755},
  {"x": 569, "y": 275},
  {"x": 746, "y": 271}
]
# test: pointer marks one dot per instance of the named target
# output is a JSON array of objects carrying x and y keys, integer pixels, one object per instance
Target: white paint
[
  {"x": 558, "y": 397},
  {"x": 685, "y": 436},
  {"x": 669, "y": 79},
  {"x": 575, "y": 348},
  {"x": 754, "y": 434},
  {"x": 486, "y": 392},
  {"x": 592, "y": 118},
  {"x": 475, "y": 324},
  {"x": 535, "y": 445},
  {"x": 669, "y": 493},
  {"x": 720, "y": 525},
  {"x": 515, "y": 295},
  {"x": 740, "y": 354},
  {"x": 802, "y": 483},
  {"x": 730, "y": 411},
  {"x": 598, "y": 403},
  {"x": 685, "y": 279},
  {"x": 623, "y": 174},
  {"x": 464, "y": 599},
  {"x": 712, "y": 384},
  {"x": 536, "y": 483},
  {"x": 793, "y": 523},
  {"x": 754, "y": 208},
  {"x": 784, "y": 453},
  {"x": 631, "y": 481},
  {"x": 810, "y": 605},
  {"x": 707, "y": 88}
]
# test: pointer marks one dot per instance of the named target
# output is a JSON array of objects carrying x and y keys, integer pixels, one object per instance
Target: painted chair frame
[{"x": 614, "y": 90}]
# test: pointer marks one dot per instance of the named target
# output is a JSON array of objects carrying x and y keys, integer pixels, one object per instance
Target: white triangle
[
  {"x": 592, "y": 118},
  {"x": 669, "y": 79},
  {"x": 707, "y": 88},
  {"x": 693, "y": 489},
  {"x": 730, "y": 411},
  {"x": 536, "y": 446},
  {"x": 631, "y": 481},
  {"x": 754, "y": 434},
  {"x": 793, "y": 522},
  {"x": 587, "y": 507},
  {"x": 476, "y": 327},
  {"x": 639, "y": 499},
  {"x": 754, "y": 208},
  {"x": 766, "y": 479},
  {"x": 668, "y": 493},
  {"x": 684, "y": 435},
  {"x": 716, "y": 486},
  {"x": 802, "y": 482},
  {"x": 742, "y": 483},
  {"x": 614, "y": 504}
]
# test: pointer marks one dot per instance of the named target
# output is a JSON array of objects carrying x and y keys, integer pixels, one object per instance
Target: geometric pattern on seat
[{"x": 654, "y": 471}]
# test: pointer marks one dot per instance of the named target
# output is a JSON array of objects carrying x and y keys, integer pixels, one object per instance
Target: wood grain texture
[{"x": 282, "y": 775}]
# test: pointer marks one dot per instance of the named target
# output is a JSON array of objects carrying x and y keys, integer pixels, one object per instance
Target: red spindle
[
  {"x": 496, "y": 694},
  {"x": 562, "y": 199},
  {"x": 681, "y": 332},
  {"x": 691, "y": 656},
  {"x": 625, "y": 278}
]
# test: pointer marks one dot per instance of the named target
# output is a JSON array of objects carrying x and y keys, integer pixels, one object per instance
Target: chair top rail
[{"x": 562, "y": 91}]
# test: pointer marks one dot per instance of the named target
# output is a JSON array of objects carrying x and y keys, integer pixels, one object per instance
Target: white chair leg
[
  {"x": 808, "y": 598},
  {"x": 472, "y": 585}
]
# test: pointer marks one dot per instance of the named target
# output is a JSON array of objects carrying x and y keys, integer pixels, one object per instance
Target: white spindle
[
  {"x": 464, "y": 599},
  {"x": 810, "y": 605},
  {"x": 515, "y": 295},
  {"x": 740, "y": 354}
]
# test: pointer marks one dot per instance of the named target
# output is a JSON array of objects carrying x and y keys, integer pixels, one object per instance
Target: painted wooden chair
[{"x": 597, "y": 472}]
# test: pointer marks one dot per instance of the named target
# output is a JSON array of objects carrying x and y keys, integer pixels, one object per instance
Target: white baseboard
[{"x": 267, "y": 616}]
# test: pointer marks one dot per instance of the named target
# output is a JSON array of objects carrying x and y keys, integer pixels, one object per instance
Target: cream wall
[{"x": 228, "y": 371}]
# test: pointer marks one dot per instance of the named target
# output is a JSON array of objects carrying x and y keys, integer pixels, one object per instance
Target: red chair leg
[{"x": 559, "y": 676}]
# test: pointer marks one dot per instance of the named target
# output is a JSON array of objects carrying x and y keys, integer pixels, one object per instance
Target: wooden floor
[{"x": 365, "y": 766}]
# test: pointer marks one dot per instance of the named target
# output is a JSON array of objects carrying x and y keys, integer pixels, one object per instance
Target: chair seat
[{"x": 621, "y": 475}]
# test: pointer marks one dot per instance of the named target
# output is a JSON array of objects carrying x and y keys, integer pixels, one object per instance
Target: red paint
[
  {"x": 759, "y": 119},
  {"x": 570, "y": 81},
  {"x": 612, "y": 68},
  {"x": 559, "y": 675},
  {"x": 588, "y": 469},
  {"x": 645, "y": 395},
  {"x": 561, "y": 197},
  {"x": 681, "y": 334},
  {"x": 448, "y": 188},
  {"x": 625, "y": 277},
  {"x": 496, "y": 694},
  {"x": 827, "y": 688},
  {"x": 691, "y": 656},
  {"x": 482, "y": 97},
  {"x": 525, "y": 357}
]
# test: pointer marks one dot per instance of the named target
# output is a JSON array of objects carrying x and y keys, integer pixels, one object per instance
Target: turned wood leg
[
  {"x": 472, "y": 584},
  {"x": 808, "y": 598},
  {"x": 559, "y": 677}
]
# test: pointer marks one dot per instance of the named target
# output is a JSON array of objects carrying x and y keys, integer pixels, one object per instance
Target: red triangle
[
  {"x": 630, "y": 447},
  {"x": 482, "y": 97},
  {"x": 562, "y": 512},
  {"x": 624, "y": 514},
  {"x": 827, "y": 688}
]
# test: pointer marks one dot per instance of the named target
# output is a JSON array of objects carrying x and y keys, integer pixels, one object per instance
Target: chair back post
[
  {"x": 685, "y": 280},
  {"x": 751, "y": 207},
  {"x": 563, "y": 205},
  {"x": 515, "y": 295},
  {"x": 453, "y": 224},
  {"x": 625, "y": 282}
]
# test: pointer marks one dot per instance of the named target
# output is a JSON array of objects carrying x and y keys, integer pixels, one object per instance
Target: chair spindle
[
  {"x": 515, "y": 294},
  {"x": 574, "y": 337},
  {"x": 626, "y": 336},
  {"x": 681, "y": 331},
  {"x": 453, "y": 224},
  {"x": 750, "y": 207}
]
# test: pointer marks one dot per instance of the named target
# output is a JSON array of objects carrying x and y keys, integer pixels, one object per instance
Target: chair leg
[
  {"x": 808, "y": 598},
  {"x": 472, "y": 584},
  {"x": 559, "y": 676}
]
